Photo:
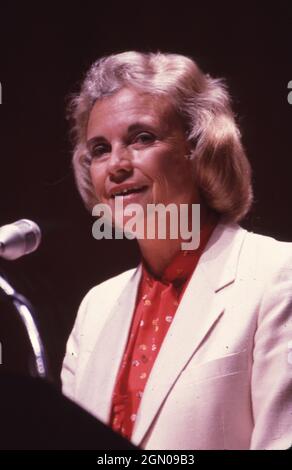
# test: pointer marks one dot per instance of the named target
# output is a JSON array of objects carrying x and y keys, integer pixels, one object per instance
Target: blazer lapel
[
  {"x": 102, "y": 369},
  {"x": 198, "y": 311}
]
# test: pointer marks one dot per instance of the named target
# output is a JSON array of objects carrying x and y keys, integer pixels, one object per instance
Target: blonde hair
[{"x": 222, "y": 171}]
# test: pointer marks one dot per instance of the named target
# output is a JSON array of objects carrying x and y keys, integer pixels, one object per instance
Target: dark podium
[{"x": 36, "y": 416}]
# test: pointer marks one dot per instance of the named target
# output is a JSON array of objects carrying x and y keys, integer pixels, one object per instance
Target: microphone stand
[{"x": 25, "y": 310}]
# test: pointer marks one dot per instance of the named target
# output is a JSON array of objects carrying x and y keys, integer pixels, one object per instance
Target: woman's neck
[{"x": 158, "y": 253}]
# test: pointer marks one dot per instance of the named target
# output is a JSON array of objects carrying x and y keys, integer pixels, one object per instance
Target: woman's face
[{"x": 137, "y": 143}]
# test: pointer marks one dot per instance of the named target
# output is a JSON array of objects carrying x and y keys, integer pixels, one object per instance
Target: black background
[{"x": 44, "y": 53}]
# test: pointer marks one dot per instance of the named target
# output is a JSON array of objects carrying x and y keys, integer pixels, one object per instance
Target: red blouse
[{"x": 156, "y": 305}]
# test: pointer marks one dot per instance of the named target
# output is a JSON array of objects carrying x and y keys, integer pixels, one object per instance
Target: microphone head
[{"x": 19, "y": 239}]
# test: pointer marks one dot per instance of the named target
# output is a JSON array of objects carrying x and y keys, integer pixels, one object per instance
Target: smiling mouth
[{"x": 126, "y": 192}]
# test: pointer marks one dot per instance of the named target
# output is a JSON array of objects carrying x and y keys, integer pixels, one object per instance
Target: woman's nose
[{"x": 120, "y": 159}]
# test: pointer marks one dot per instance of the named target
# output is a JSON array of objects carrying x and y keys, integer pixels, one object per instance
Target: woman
[{"x": 190, "y": 349}]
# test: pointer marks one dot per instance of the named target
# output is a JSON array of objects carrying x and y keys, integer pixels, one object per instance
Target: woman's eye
[
  {"x": 144, "y": 138},
  {"x": 98, "y": 150}
]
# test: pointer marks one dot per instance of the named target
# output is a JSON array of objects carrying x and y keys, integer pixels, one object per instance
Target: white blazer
[{"x": 223, "y": 376}]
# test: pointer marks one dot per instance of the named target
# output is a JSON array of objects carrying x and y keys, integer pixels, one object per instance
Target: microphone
[{"x": 19, "y": 239}]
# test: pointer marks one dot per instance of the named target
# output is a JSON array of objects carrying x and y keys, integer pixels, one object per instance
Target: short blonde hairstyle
[{"x": 221, "y": 168}]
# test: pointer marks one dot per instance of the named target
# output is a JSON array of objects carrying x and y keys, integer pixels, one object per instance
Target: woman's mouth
[{"x": 129, "y": 193}]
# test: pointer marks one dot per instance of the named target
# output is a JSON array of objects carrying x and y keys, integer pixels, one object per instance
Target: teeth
[{"x": 125, "y": 191}]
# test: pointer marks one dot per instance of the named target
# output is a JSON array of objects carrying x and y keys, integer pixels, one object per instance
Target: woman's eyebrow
[{"x": 136, "y": 126}]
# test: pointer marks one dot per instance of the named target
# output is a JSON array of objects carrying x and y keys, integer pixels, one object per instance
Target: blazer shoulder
[
  {"x": 97, "y": 303},
  {"x": 270, "y": 248},
  {"x": 266, "y": 256},
  {"x": 112, "y": 284}
]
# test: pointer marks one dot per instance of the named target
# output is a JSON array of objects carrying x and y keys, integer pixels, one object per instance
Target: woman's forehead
[{"x": 128, "y": 107}]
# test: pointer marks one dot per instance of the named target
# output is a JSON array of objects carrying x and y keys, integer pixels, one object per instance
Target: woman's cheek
[{"x": 96, "y": 176}]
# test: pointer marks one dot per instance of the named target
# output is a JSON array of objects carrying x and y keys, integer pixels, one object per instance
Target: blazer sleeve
[
  {"x": 271, "y": 381},
  {"x": 70, "y": 361}
]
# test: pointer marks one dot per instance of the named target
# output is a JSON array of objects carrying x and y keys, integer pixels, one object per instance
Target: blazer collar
[{"x": 220, "y": 258}]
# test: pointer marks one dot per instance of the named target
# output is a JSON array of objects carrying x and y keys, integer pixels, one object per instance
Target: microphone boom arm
[{"x": 23, "y": 307}]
